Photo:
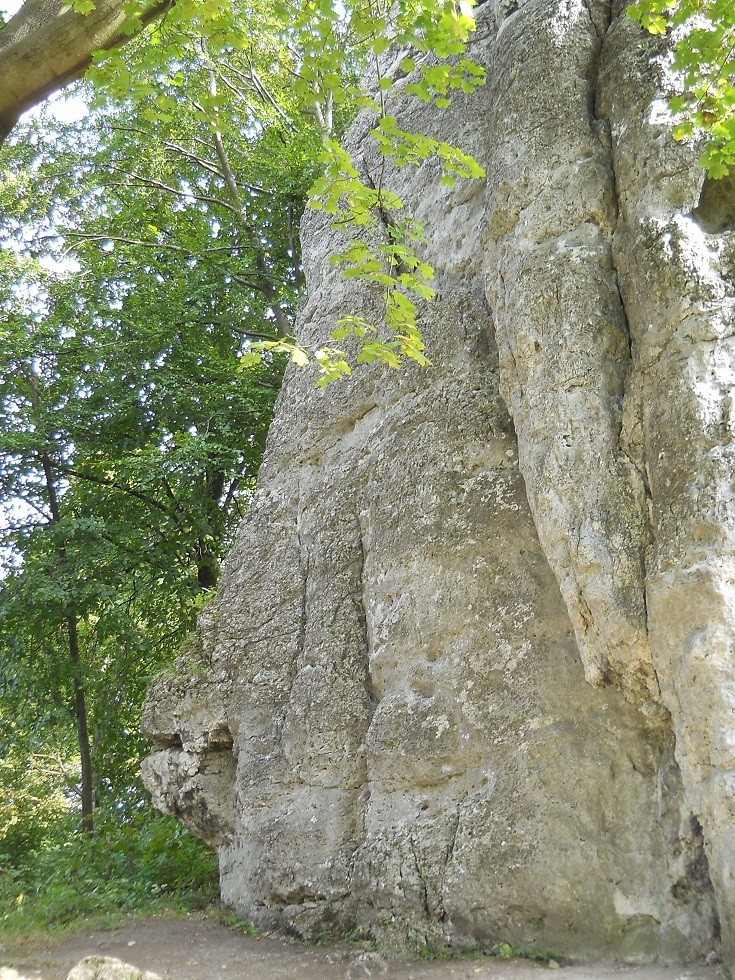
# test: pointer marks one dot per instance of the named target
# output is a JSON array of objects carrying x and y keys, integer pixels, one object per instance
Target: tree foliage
[
  {"x": 322, "y": 47},
  {"x": 703, "y": 63}
]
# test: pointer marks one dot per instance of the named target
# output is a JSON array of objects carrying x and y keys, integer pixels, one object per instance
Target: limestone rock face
[{"x": 469, "y": 675}]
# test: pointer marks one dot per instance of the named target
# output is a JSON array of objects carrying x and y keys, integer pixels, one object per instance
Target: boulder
[{"x": 108, "y": 968}]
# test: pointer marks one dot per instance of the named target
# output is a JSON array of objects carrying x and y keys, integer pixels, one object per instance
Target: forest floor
[{"x": 197, "y": 948}]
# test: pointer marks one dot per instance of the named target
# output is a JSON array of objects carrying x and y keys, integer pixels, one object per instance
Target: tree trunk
[
  {"x": 80, "y": 716},
  {"x": 80, "y": 701},
  {"x": 47, "y": 45}
]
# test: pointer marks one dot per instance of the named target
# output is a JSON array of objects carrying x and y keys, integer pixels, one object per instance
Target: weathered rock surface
[
  {"x": 108, "y": 968},
  {"x": 389, "y": 724}
]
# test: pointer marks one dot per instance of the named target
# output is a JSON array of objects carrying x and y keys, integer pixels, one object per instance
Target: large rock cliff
[{"x": 469, "y": 675}]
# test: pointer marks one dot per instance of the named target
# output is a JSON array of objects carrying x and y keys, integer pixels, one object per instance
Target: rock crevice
[{"x": 564, "y": 339}]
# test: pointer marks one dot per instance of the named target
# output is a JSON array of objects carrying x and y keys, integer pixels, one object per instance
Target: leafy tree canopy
[{"x": 325, "y": 46}]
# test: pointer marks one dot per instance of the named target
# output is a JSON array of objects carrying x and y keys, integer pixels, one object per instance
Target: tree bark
[{"x": 47, "y": 45}]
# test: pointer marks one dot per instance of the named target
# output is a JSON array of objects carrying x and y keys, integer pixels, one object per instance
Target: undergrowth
[
  {"x": 418, "y": 948},
  {"x": 233, "y": 921},
  {"x": 142, "y": 865},
  {"x": 505, "y": 951}
]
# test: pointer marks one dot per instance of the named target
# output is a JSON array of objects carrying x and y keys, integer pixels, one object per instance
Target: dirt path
[{"x": 202, "y": 949}]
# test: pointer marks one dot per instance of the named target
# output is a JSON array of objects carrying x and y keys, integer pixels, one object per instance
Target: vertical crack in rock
[
  {"x": 447, "y": 858},
  {"x": 362, "y": 801},
  {"x": 563, "y": 338},
  {"x": 303, "y": 558},
  {"x": 630, "y": 435},
  {"x": 672, "y": 246},
  {"x": 362, "y": 600},
  {"x": 423, "y": 888},
  {"x": 452, "y": 839}
]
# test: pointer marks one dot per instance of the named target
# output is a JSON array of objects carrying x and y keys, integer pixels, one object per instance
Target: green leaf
[
  {"x": 249, "y": 359},
  {"x": 299, "y": 356}
]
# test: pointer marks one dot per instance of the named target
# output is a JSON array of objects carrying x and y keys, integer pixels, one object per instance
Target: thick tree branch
[{"x": 47, "y": 45}]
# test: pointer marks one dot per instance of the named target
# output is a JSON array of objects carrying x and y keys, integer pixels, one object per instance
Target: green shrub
[{"x": 140, "y": 865}]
